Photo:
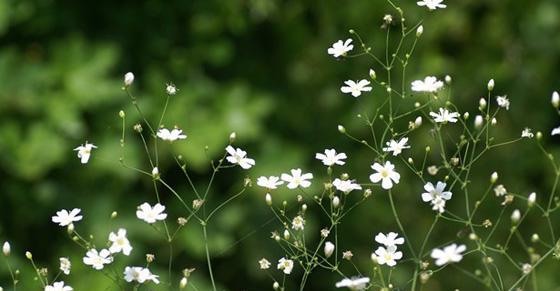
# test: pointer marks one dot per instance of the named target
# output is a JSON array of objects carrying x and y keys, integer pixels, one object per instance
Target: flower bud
[
  {"x": 532, "y": 199},
  {"x": 232, "y": 137},
  {"x": 276, "y": 286},
  {"x": 419, "y": 31},
  {"x": 494, "y": 177},
  {"x": 482, "y": 104},
  {"x": 28, "y": 255},
  {"x": 372, "y": 74},
  {"x": 6, "y": 249},
  {"x": 478, "y": 121},
  {"x": 114, "y": 214},
  {"x": 466, "y": 115},
  {"x": 122, "y": 114},
  {"x": 341, "y": 129},
  {"x": 535, "y": 238},
  {"x": 418, "y": 121},
  {"x": 335, "y": 201},
  {"x": 329, "y": 249},
  {"x": 494, "y": 121},
  {"x": 268, "y": 199},
  {"x": 128, "y": 79},
  {"x": 491, "y": 85},
  {"x": 515, "y": 216},
  {"x": 155, "y": 173},
  {"x": 555, "y": 100},
  {"x": 183, "y": 283},
  {"x": 448, "y": 79},
  {"x": 286, "y": 234}
]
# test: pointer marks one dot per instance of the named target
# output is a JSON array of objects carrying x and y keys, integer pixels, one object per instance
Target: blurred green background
[{"x": 260, "y": 68}]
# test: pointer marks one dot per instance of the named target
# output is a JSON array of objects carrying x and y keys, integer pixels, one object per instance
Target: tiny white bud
[
  {"x": 419, "y": 30},
  {"x": 532, "y": 199},
  {"x": 482, "y": 104},
  {"x": 466, "y": 116},
  {"x": 275, "y": 286},
  {"x": 304, "y": 207},
  {"x": 335, "y": 201},
  {"x": 122, "y": 114},
  {"x": 286, "y": 234},
  {"x": 491, "y": 85},
  {"x": 515, "y": 216},
  {"x": 171, "y": 89},
  {"x": 28, "y": 255},
  {"x": 341, "y": 129},
  {"x": 555, "y": 100},
  {"x": 448, "y": 79},
  {"x": 418, "y": 121},
  {"x": 329, "y": 249},
  {"x": 478, "y": 121},
  {"x": 155, "y": 172},
  {"x": 494, "y": 121},
  {"x": 372, "y": 74},
  {"x": 183, "y": 283},
  {"x": 232, "y": 137},
  {"x": 268, "y": 199},
  {"x": 128, "y": 79},
  {"x": 6, "y": 249},
  {"x": 535, "y": 238},
  {"x": 494, "y": 177}
]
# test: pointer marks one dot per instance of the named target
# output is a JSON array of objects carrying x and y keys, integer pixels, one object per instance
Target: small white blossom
[
  {"x": 503, "y": 102},
  {"x": 271, "y": 182},
  {"x": 346, "y": 186},
  {"x": 173, "y": 135},
  {"x": 139, "y": 274},
  {"x": 340, "y": 48},
  {"x": 58, "y": 286},
  {"x": 555, "y": 131},
  {"x": 526, "y": 268},
  {"x": 431, "y": 4},
  {"x": 436, "y": 195},
  {"x": 386, "y": 174},
  {"x": 65, "y": 266},
  {"x": 354, "y": 88},
  {"x": 444, "y": 116},
  {"x": 354, "y": 284},
  {"x": 239, "y": 157},
  {"x": 527, "y": 132},
  {"x": 298, "y": 223},
  {"x": 285, "y": 265},
  {"x": 429, "y": 85},
  {"x": 264, "y": 264},
  {"x": 388, "y": 256},
  {"x": 296, "y": 179},
  {"x": 119, "y": 242},
  {"x": 389, "y": 240},
  {"x": 171, "y": 89},
  {"x": 396, "y": 146},
  {"x": 64, "y": 218},
  {"x": 151, "y": 214},
  {"x": 84, "y": 152},
  {"x": 500, "y": 190},
  {"x": 449, "y": 254},
  {"x": 98, "y": 259},
  {"x": 128, "y": 78},
  {"x": 331, "y": 158}
]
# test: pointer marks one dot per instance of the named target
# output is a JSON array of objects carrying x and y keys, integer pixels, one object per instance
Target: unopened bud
[
  {"x": 515, "y": 216},
  {"x": 183, "y": 283},
  {"x": 466, "y": 115},
  {"x": 122, "y": 114},
  {"x": 6, "y": 249},
  {"x": 286, "y": 234},
  {"x": 478, "y": 121},
  {"x": 329, "y": 249},
  {"x": 482, "y": 104},
  {"x": 28, "y": 255},
  {"x": 276, "y": 286},
  {"x": 372, "y": 74},
  {"x": 128, "y": 79},
  {"x": 268, "y": 199},
  {"x": 494, "y": 177},
  {"x": 114, "y": 214},
  {"x": 232, "y": 137},
  {"x": 418, "y": 121},
  {"x": 155, "y": 173},
  {"x": 341, "y": 129},
  {"x": 494, "y": 121},
  {"x": 532, "y": 199},
  {"x": 335, "y": 201},
  {"x": 448, "y": 80},
  {"x": 555, "y": 100},
  {"x": 419, "y": 31},
  {"x": 491, "y": 85}
]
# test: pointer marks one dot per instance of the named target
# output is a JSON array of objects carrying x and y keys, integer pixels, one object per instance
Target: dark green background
[{"x": 260, "y": 68}]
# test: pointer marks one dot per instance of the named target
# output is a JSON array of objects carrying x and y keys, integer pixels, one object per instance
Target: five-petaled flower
[
  {"x": 296, "y": 179},
  {"x": 449, "y": 254},
  {"x": 354, "y": 283},
  {"x": 331, "y": 158},
  {"x": 239, "y": 157},
  {"x": 64, "y": 218},
  {"x": 98, "y": 259},
  {"x": 286, "y": 265},
  {"x": 271, "y": 182},
  {"x": 388, "y": 256},
  {"x": 396, "y": 146},
  {"x": 354, "y": 88},
  {"x": 436, "y": 195},
  {"x": 432, "y": 4},
  {"x": 171, "y": 135},
  {"x": 444, "y": 116},
  {"x": 390, "y": 239},
  {"x": 119, "y": 242},
  {"x": 84, "y": 152},
  {"x": 430, "y": 84},
  {"x": 340, "y": 48},
  {"x": 151, "y": 214},
  {"x": 139, "y": 274},
  {"x": 58, "y": 286},
  {"x": 346, "y": 186},
  {"x": 386, "y": 174}
]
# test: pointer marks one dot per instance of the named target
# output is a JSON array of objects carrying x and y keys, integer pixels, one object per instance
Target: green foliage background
[{"x": 257, "y": 67}]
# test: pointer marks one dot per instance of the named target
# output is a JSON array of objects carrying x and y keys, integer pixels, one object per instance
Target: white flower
[
  {"x": 328, "y": 249},
  {"x": 503, "y": 102},
  {"x": 436, "y": 195},
  {"x": 128, "y": 79},
  {"x": 149, "y": 214},
  {"x": 264, "y": 264},
  {"x": 555, "y": 131},
  {"x": 64, "y": 218},
  {"x": 431, "y": 4},
  {"x": 389, "y": 240},
  {"x": 386, "y": 174},
  {"x": 345, "y": 186},
  {"x": 297, "y": 179},
  {"x": 331, "y": 158},
  {"x": 58, "y": 286},
  {"x": 84, "y": 152},
  {"x": 527, "y": 132},
  {"x": 297, "y": 223},
  {"x": 500, "y": 190},
  {"x": 171, "y": 89},
  {"x": 449, "y": 254},
  {"x": 429, "y": 85},
  {"x": 444, "y": 116},
  {"x": 271, "y": 182},
  {"x": 98, "y": 259},
  {"x": 65, "y": 265},
  {"x": 340, "y": 49},
  {"x": 396, "y": 146},
  {"x": 239, "y": 157},
  {"x": 285, "y": 265},
  {"x": 387, "y": 256},
  {"x": 173, "y": 135},
  {"x": 354, "y": 88},
  {"x": 139, "y": 275},
  {"x": 354, "y": 283},
  {"x": 120, "y": 242}
]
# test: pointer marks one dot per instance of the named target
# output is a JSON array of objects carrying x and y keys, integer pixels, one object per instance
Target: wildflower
[
  {"x": 527, "y": 132},
  {"x": 264, "y": 264},
  {"x": 340, "y": 48},
  {"x": 98, "y": 259},
  {"x": 151, "y": 214},
  {"x": 84, "y": 152},
  {"x": 354, "y": 283},
  {"x": 298, "y": 223},
  {"x": 172, "y": 135},
  {"x": 65, "y": 266},
  {"x": 396, "y": 146},
  {"x": 432, "y": 170},
  {"x": 139, "y": 274},
  {"x": 345, "y": 186},
  {"x": 128, "y": 79},
  {"x": 58, "y": 286},
  {"x": 555, "y": 131},
  {"x": 171, "y": 89},
  {"x": 328, "y": 249},
  {"x": 500, "y": 190},
  {"x": 347, "y": 255},
  {"x": 444, "y": 116},
  {"x": 239, "y": 157},
  {"x": 449, "y": 254},
  {"x": 431, "y": 4},
  {"x": 271, "y": 182},
  {"x": 325, "y": 232},
  {"x": 297, "y": 179},
  {"x": 389, "y": 240},
  {"x": 120, "y": 242},
  {"x": 429, "y": 85},
  {"x": 436, "y": 195},
  {"x": 555, "y": 100},
  {"x": 331, "y": 158},
  {"x": 285, "y": 265},
  {"x": 386, "y": 174},
  {"x": 388, "y": 256},
  {"x": 64, "y": 218},
  {"x": 354, "y": 88},
  {"x": 503, "y": 102}
]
